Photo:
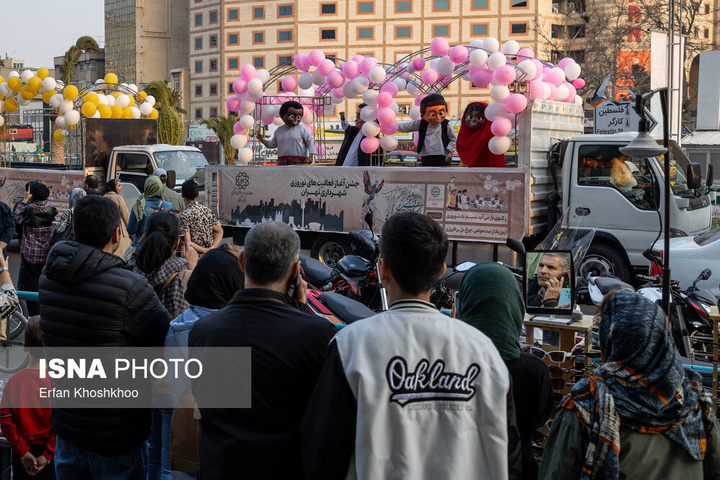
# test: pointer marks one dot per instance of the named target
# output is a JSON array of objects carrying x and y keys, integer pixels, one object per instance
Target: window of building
[
  {"x": 213, "y": 112},
  {"x": 259, "y": 62},
  {"x": 696, "y": 32},
  {"x": 706, "y": 33},
  {"x": 366, "y": 7},
  {"x": 198, "y": 90},
  {"x": 233, "y": 63},
  {"x": 576, "y": 31},
  {"x": 213, "y": 89},
  {"x": 285, "y": 35},
  {"x": 403, "y": 6},
  {"x": 328, "y": 34},
  {"x": 232, "y": 39},
  {"x": 198, "y": 66},
  {"x": 198, "y": 19},
  {"x": 212, "y": 16},
  {"x": 198, "y": 113},
  {"x": 479, "y": 29},
  {"x": 479, "y": 4},
  {"x": 198, "y": 43},
  {"x": 328, "y": 8},
  {"x": 258, "y": 37},
  {"x": 213, "y": 65},
  {"x": 284, "y": 59},
  {"x": 258, "y": 13},
  {"x": 518, "y": 28},
  {"x": 519, "y": 3},
  {"x": 365, "y": 33},
  {"x": 403, "y": 32},
  {"x": 233, "y": 14},
  {"x": 285, "y": 10},
  {"x": 230, "y": 89},
  {"x": 213, "y": 40},
  {"x": 707, "y": 9},
  {"x": 441, "y": 5},
  {"x": 555, "y": 31},
  {"x": 441, "y": 30}
]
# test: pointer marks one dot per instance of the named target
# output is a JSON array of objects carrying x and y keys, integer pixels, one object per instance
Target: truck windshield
[
  {"x": 678, "y": 166},
  {"x": 186, "y": 164}
]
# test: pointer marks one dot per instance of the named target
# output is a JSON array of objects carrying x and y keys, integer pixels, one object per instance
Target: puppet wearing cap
[{"x": 436, "y": 138}]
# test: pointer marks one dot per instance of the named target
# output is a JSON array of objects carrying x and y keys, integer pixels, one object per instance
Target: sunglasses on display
[{"x": 557, "y": 356}]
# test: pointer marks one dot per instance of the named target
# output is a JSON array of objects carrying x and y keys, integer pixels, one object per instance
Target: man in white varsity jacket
[{"x": 411, "y": 393}]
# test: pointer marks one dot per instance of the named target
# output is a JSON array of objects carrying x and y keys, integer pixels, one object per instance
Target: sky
[{"x": 42, "y": 29}]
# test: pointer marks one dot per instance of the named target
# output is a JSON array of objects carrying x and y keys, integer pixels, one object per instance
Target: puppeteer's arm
[{"x": 413, "y": 126}]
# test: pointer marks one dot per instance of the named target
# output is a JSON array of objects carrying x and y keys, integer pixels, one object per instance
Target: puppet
[
  {"x": 295, "y": 145},
  {"x": 474, "y": 137},
  {"x": 436, "y": 137}
]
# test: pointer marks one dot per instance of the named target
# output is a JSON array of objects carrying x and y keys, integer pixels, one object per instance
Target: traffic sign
[{"x": 616, "y": 117}]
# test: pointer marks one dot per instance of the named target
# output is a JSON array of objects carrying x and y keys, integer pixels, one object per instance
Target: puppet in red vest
[
  {"x": 436, "y": 137},
  {"x": 475, "y": 134}
]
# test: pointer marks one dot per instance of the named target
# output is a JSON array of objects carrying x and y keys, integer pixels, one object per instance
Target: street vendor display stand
[{"x": 715, "y": 318}]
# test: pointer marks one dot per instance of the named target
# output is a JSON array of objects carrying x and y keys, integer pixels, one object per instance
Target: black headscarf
[{"x": 214, "y": 280}]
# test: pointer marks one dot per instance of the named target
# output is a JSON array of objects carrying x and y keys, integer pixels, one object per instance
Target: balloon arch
[{"x": 513, "y": 75}]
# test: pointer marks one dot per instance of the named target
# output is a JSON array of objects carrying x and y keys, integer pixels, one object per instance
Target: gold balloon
[
  {"x": 89, "y": 109},
  {"x": 132, "y": 101},
  {"x": 111, "y": 79},
  {"x": 27, "y": 94},
  {"x": 47, "y": 94},
  {"x": 35, "y": 83},
  {"x": 15, "y": 84},
  {"x": 127, "y": 112},
  {"x": 10, "y": 104},
  {"x": 117, "y": 111},
  {"x": 42, "y": 73},
  {"x": 92, "y": 97},
  {"x": 105, "y": 111},
  {"x": 116, "y": 94},
  {"x": 154, "y": 114},
  {"x": 142, "y": 95},
  {"x": 58, "y": 136},
  {"x": 1, "y": 79},
  {"x": 70, "y": 92}
]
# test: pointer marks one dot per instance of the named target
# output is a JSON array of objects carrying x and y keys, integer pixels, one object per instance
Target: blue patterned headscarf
[{"x": 640, "y": 381}]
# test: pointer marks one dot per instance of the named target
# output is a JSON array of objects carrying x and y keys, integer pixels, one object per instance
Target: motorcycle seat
[
  {"x": 316, "y": 271},
  {"x": 607, "y": 284},
  {"x": 346, "y": 308}
]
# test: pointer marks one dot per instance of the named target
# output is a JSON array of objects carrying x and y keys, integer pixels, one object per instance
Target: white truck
[{"x": 559, "y": 169}]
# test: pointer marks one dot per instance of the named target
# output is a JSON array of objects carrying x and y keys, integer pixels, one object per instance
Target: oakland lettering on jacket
[{"x": 428, "y": 383}]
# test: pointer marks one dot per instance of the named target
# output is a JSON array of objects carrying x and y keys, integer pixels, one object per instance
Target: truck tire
[
  {"x": 329, "y": 249},
  {"x": 602, "y": 258}
]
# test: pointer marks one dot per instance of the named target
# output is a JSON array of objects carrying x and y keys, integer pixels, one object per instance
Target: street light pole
[{"x": 666, "y": 193}]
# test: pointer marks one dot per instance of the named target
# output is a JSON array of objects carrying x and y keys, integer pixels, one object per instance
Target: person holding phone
[{"x": 553, "y": 275}]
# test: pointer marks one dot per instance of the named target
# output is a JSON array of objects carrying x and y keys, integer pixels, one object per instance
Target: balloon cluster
[
  {"x": 106, "y": 99},
  {"x": 482, "y": 62}
]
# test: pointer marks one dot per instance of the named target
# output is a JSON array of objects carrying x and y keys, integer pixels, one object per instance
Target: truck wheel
[
  {"x": 602, "y": 258},
  {"x": 330, "y": 249}
]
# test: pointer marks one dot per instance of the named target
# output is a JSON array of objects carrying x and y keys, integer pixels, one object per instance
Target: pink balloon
[
  {"x": 538, "y": 68},
  {"x": 316, "y": 56},
  {"x": 553, "y": 77},
  {"x": 320, "y": 148},
  {"x": 367, "y": 64},
  {"x": 578, "y": 83},
  {"x": 233, "y": 104},
  {"x": 429, "y": 76},
  {"x": 369, "y": 144},
  {"x": 386, "y": 115},
  {"x": 267, "y": 121},
  {"x": 515, "y": 103},
  {"x": 482, "y": 78},
  {"x": 553, "y": 91},
  {"x": 416, "y": 139},
  {"x": 289, "y": 83},
  {"x": 439, "y": 46},
  {"x": 335, "y": 79},
  {"x": 239, "y": 129},
  {"x": 458, "y": 54},
  {"x": 389, "y": 129},
  {"x": 419, "y": 99},
  {"x": 358, "y": 59},
  {"x": 501, "y": 127},
  {"x": 384, "y": 99},
  {"x": 302, "y": 62},
  {"x": 472, "y": 69},
  {"x": 247, "y": 72},
  {"x": 524, "y": 53},
  {"x": 571, "y": 95},
  {"x": 326, "y": 66},
  {"x": 418, "y": 64},
  {"x": 504, "y": 75},
  {"x": 536, "y": 89},
  {"x": 337, "y": 93},
  {"x": 390, "y": 87},
  {"x": 350, "y": 69},
  {"x": 239, "y": 86},
  {"x": 563, "y": 63}
]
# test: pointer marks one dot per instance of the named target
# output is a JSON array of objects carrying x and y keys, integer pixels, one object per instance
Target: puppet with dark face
[
  {"x": 474, "y": 137},
  {"x": 295, "y": 145}
]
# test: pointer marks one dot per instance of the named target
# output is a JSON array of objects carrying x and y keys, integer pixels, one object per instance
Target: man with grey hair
[
  {"x": 289, "y": 346},
  {"x": 553, "y": 274}
]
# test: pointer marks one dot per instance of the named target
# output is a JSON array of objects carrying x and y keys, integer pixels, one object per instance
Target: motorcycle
[{"x": 338, "y": 309}]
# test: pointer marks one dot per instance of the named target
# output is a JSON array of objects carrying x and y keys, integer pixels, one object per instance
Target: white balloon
[
  {"x": 146, "y": 108},
  {"x": 26, "y": 75},
  {"x": 278, "y": 121},
  {"x": 415, "y": 113},
  {"x": 308, "y": 119},
  {"x": 511, "y": 47},
  {"x": 499, "y": 145},
  {"x": 388, "y": 143},
  {"x": 349, "y": 90},
  {"x": 467, "y": 77},
  {"x": 55, "y": 100},
  {"x": 370, "y": 97},
  {"x": 305, "y": 80},
  {"x": 132, "y": 87},
  {"x": 395, "y": 108},
  {"x": 496, "y": 60},
  {"x": 318, "y": 78},
  {"x": 335, "y": 100},
  {"x": 495, "y": 111},
  {"x": 572, "y": 71},
  {"x": 247, "y": 121},
  {"x": 433, "y": 63},
  {"x": 4, "y": 89},
  {"x": 562, "y": 92},
  {"x": 2, "y": 108},
  {"x": 263, "y": 75},
  {"x": 370, "y": 129},
  {"x": 49, "y": 83},
  {"x": 369, "y": 114},
  {"x": 413, "y": 89},
  {"x": 268, "y": 111},
  {"x": 445, "y": 66},
  {"x": 60, "y": 84},
  {"x": 110, "y": 100},
  {"x": 99, "y": 81},
  {"x": 401, "y": 83},
  {"x": 247, "y": 106},
  {"x": 122, "y": 100},
  {"x": 499, "y": 92},
  {"x": 376, "y": 74},
  {"x": 254, "y": 95},
  {"x": 135, "y": 112},
  {"x": 66, "y": 106},
  {"x": 22, "y": 103},
  {"x": 360, "y": 84},
  {"x": 478, "y": 58},
  {"x": 2, "y": 121},
  {"x": 307, "y": 92},
  {"x": 151, "y": 100},
  {"x": 72, "y": 117},
  {"x": 238, "y": 141},
  {"x": 491, "y": 44},
  {"x": 60, "y": 121},
  {"x": 578, "y": 100},
  {"x": 546, "y": 91},
  {"x": 14, "y": 73},
  {"x": 65, "y": 133},
  {"x": 96, "y": 114},
  {"x": 560, "y": 71},
  {"x": 255, "y": 85},
  {"x": 477, "y": 43},
  {"x": 245, "y": 155},
  {"x": 530, "y": 69}
]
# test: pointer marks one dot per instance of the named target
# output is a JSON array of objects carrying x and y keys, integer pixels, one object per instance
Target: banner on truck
[
  {"x": 60, "y": 183},
  {"x": 471, "y": 204}
]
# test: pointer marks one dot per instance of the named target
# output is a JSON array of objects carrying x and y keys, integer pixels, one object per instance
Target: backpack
[{"x": 185, "y": 435}]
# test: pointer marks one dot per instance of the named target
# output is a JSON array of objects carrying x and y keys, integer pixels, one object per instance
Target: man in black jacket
[
  {"x": 289, "y": 347},
  {"x": 350, "y": 154},
  {"x": 89, "y": 300}
]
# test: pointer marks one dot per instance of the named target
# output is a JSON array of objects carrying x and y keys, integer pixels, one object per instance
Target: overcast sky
[{"x": 38, "y": 30}]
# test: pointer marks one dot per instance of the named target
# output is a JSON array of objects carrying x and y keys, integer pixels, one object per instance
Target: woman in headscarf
[
  {"x": 640, "y": 414},
  {"x": 489, "y": 300},
  {"x": 150, "y": 201},
  {"x": 112, "y": 190},
  {"x": 474, "y": 137},
  {"x": 65, "y": 222}
]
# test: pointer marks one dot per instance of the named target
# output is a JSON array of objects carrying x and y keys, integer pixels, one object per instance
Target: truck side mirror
[
  {"x": 171, "y": 179},
  {"x": 694, "y": 177},
  {"x": 709, "y": 179}
]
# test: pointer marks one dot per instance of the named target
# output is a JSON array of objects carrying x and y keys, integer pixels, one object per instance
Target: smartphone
[
  {"x": 565, "y": 277},
  {"x": 294, "y": 287}
]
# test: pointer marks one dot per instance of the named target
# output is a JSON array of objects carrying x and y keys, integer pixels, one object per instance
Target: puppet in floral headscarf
[
  {"x": 436, "y": 138},
  {"x": 475, "y": 134}
]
